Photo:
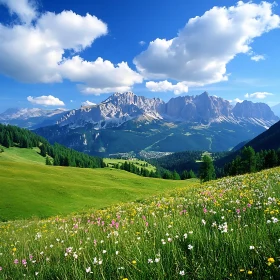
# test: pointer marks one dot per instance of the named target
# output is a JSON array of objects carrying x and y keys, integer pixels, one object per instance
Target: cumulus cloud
[
  {"x": 45, "y": 100},
  {"x": 24, "y": 9},
  {"x": 257, "y": 57},
  {"x": 37, "y": 53},
  {"x": 88, "y": 103},
  {"x": 258, "y": 95},
  {"x": 203, "y": 48},
  {"x": 164, "y": 86},
  {"x": 107, "y": 76}
]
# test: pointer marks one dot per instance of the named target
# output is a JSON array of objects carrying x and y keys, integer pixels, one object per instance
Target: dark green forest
[
  {"x": 13, "y": 136},
  {"x": 249, "y": 161}
]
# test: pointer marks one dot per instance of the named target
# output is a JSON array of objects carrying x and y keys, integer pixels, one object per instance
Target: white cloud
[
  {"x": 70, "y": 30},
  {"x": 203, "y": 48},
  {"x": 45, "y": 100},
  {"x": 24, "y": 9},
  {"x": 88, "y": 103},
  {"x": 236, "y": 100},
  {"x": 142, "y": 43},
  {"x": 107, "y": 77},
  {"x": 164, "y": 86},
  {"x": 258, "y": 95},
  {"x": 257, "y": 57},
  {"x": 36, "y": 53}
]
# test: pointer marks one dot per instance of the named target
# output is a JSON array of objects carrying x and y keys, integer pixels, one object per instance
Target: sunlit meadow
[{"x": 225, "y": 229}]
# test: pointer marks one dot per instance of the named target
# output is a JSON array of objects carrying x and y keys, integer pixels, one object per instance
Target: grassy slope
[
  {"x": 14, "y": 154},
  {"x": 32, "y": 189},
  {"x": 224, "y": 229},
  {"x": 135, "y": 162}
]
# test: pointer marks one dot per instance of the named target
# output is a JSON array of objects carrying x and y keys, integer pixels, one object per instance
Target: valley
[
  {"x": 139, "y": 140},
  {"x": 127, "y": 123}
]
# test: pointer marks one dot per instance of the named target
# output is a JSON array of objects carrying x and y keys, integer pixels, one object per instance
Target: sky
[{"x": 68, "y": 53}]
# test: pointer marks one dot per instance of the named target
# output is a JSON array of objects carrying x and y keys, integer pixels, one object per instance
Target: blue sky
[{"x": 64, "y": 53}]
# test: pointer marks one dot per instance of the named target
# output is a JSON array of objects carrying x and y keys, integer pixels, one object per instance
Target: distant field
[
  {"x": 137, "y": 162},
  {"x": 36, "y": 190}
]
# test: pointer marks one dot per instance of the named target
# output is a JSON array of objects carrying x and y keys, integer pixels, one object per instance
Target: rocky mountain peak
[{"x": 248, "y": 109}]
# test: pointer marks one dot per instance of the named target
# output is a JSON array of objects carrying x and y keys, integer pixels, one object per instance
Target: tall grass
[{"x": 225, "y": 229}]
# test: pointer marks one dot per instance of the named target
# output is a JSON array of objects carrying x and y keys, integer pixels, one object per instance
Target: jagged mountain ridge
[
  {"x": 126, "y": 123},
  {"x": 201, "y": 109}
]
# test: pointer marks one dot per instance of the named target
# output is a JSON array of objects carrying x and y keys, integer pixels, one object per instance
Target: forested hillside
[
  {"x": 249, "y": 161},
  {"x": 184, "y": 161},
  {"x": 12, "y": 136}
]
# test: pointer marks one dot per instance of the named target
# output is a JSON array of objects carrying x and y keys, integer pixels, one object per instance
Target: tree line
[
  {"x": 58, "y": 155},
  {"x": 159, "y": 172},
  {"x": 249, "y": 161}
]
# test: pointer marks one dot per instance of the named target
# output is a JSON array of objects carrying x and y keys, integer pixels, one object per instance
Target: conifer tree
[{"x": 207, "y": 170}]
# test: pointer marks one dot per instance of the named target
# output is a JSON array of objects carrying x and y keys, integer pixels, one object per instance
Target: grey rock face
[
  {"x": 200, "y": 109},
  {"x": 122, "y": 107},
  {"x": 115, "y": 110},
  {"x": 248, "y": 109}
]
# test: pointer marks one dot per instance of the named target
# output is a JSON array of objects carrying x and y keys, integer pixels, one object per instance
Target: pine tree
[
  {"x": 207, "y": 170},
  {"x": 185, "y": 175},
  {"x": 192, "y": 174},
  {"x": 248, "y": 156},
  {"x": 56, "y": 160},
  {"x": 43, "y": 150},
  {"x": 48, "y": 160},
  {"x": 175, "y": 175},
  {"x": 7, "y": 142}
]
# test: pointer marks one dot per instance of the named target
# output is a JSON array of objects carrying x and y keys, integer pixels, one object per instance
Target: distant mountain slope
[
  {"x": 240, "y": 146},
  {"x": 270, "y": 139},
  {"x": 126, "y": 122},
  {"x": 276, "y": 109},
  {"x": 31, "y": 118}
]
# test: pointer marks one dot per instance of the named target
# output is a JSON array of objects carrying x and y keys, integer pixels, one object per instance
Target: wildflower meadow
[{"x": 224, "y": 229}]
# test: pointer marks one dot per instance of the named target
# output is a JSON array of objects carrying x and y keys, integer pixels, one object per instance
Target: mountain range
[
  {"x": 127, "y": 123},
  {"x": 31, "y": 118},
  {"x": 201, "y": 109}
]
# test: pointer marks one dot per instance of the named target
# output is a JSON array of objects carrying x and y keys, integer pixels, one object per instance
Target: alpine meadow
[{"x": 139, "y": 140}]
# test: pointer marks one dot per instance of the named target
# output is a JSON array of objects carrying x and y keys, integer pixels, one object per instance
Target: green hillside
[
  {"x": 14, "y": 154},
  {"x": 224, "y": 229},
  {"x": 31, "y": 189},
  {"x": 136, "y": 162}
]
